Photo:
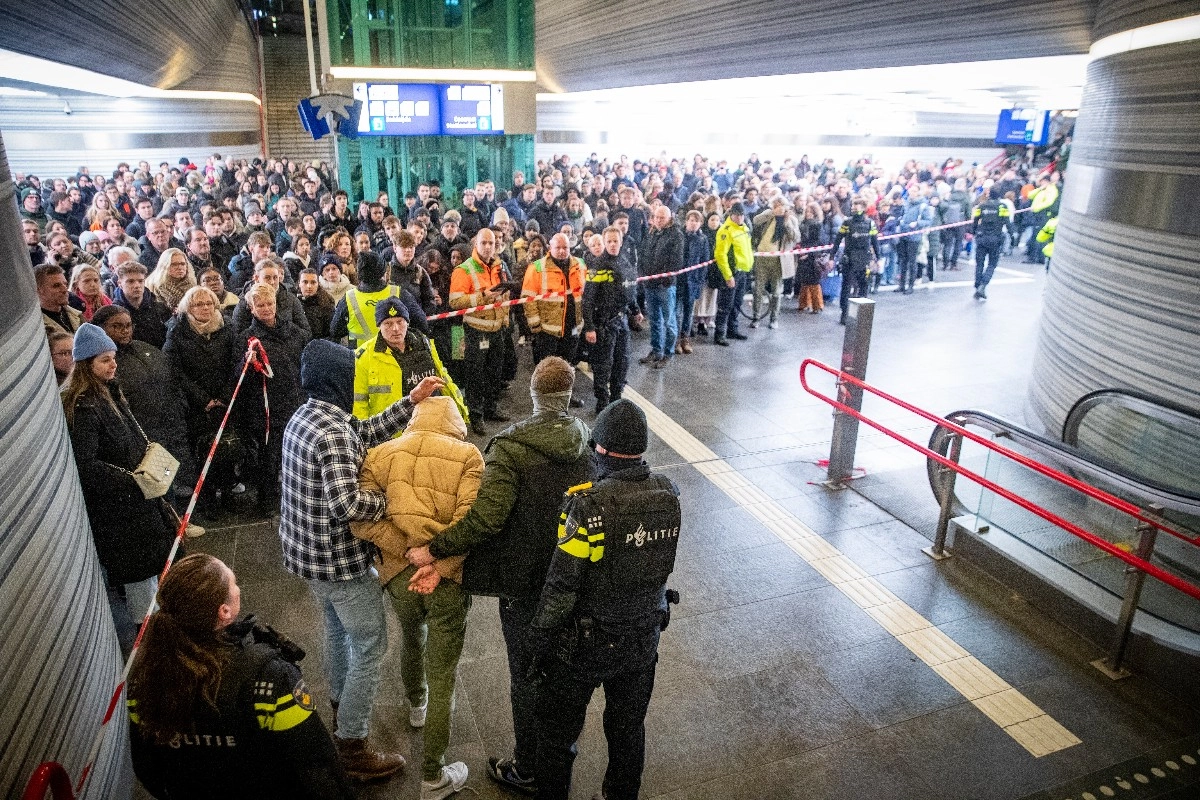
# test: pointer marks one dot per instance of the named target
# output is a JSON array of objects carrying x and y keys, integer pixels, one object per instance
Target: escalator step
[{"x": 1171, "y": 772}]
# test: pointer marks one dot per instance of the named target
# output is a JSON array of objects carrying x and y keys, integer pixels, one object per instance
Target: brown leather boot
[
  {"x": 365, "y": 764},
  {"x": 686, "y": 344}
]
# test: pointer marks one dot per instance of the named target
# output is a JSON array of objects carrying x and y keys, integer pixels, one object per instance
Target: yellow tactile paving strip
[{"x": 1028, "y": 725}]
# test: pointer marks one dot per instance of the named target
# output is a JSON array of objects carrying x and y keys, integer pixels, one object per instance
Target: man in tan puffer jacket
[{"x": 430, "y": 475}]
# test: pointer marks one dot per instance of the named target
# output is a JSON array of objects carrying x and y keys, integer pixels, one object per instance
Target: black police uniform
[
  {"x": 262, "y": 740},
  {"x": 601, "y": 612},
  {"x": 989, "y": 224},
  {"x": 606, "y": 301},
  {"x": 862, "y": 247}
]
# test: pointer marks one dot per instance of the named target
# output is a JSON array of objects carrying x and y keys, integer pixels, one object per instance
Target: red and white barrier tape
[
  {"x": 798, "y": 251},
  {"x": 256, "y": 356}
]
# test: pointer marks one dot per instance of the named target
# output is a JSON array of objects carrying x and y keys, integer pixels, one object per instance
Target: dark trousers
[
  {"x": 609, "y": 359},
  {"x": 484, "y": 368},
  {"x": 906, "y": 254},
  {"x": 515, "y": 617},
  {"x": 626, "y": 671},
  {"x": 952, "y": 241},
  {"x": 854, "y": 279},
  {"x": 685, "y": 304},
  {"x": 989, "y": 252},
  {"x": 1033, "y": 248},
  {"x": 729, "y": 301},
  {"x": 562, "y": 346}
]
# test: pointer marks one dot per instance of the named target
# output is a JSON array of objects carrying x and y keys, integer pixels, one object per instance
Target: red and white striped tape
[{"x": 798, "y": 251}]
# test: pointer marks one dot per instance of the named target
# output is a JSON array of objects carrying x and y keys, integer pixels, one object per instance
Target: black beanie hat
[
  {"x": 621, "y": 428},
  {"x": 370, "y": 267}
]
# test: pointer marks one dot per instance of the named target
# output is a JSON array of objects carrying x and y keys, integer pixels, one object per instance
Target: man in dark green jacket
[{"x": 509, "y": 536}]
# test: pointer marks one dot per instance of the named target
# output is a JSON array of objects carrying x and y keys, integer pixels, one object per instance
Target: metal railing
[
  {"x": 51, "y": 777},
  {"x": 1149, "y": 523}
]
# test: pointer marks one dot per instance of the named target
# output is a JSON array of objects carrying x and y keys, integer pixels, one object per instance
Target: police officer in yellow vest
[
  {"x": 391, "y": 363},
  {"x": 1043, "y": 204},
  {"x": 354, "y": 315},
  {"x": 555, "y": 321}
]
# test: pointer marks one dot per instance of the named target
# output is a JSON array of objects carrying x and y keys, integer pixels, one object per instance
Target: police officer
[
  {"x": 608, "y": 296},
  {"x": 354, "y": 315},
  {"x": 603, "y": 607},
  {"x": 219, "y": 711},
  {"x": 989, "y": 225},
  {"x": 862, "y": 251}
]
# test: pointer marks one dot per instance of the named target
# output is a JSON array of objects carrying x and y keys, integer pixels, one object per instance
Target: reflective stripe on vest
[
  {"x": 360, "y": 327},
  {"x": 479, "y": 323}
]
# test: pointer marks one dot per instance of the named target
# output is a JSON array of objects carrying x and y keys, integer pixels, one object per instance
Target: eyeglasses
[{"x": 202, "y": 304}]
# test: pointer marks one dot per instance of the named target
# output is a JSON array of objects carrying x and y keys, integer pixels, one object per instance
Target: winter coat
[
  {"x": 287, "y": 307},
  {"x": 379, "y": 380},
  {"x": 149, "y": 319},
  {"x": 202, "y": 365},
  {"x": 509, "y": 534},
  {"x": 156, "y": 400},
  {"x": 661, "y": 251},
  {"x": 917, "y": 216},
  {"x": 807, "y": 271},
  {"x": 431, "y": 476},
  {"x": 548, "y": 217},
  {"x": 696, "y": 250},
  {"x": 131, "y": 533},
  {"x": 318, "y": 310},
  {"x": 284, "y": 342}
]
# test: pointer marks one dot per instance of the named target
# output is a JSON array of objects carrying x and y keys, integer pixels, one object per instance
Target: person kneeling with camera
[{"x": 218, "y": 707}]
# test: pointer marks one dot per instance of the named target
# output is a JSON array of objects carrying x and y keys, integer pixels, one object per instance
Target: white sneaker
[
  {"x": 454, "y": 778},
  {"x": 773, "y": 325},
  {"x": 416, "y": 717},
  {"x": 193, "y": 531}
]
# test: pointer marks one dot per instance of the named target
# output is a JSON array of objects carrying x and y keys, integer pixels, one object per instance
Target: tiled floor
[{"x": 772, "y": 683}]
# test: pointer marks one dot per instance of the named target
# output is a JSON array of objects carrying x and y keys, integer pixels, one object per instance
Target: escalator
[{"x": 1141, "y": 449}]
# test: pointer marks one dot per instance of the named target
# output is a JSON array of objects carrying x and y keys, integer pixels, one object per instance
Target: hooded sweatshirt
[{"x": 431, "y": 476}]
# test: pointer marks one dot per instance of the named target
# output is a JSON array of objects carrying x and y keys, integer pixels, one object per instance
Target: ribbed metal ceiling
[
  {"x": 582, "y": 44},
  {"x": 157, "y": 44}
]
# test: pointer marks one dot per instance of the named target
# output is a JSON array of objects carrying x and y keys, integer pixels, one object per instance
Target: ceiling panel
[{"x": 585, "y": 44}]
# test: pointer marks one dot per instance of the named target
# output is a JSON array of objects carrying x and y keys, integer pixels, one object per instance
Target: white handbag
[{"x": 156, "y": 471}]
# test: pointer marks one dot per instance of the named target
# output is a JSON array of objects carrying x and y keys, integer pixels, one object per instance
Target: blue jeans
[
  {"x": 660, "y": 308},
  {"x": 355, "y": 643}
]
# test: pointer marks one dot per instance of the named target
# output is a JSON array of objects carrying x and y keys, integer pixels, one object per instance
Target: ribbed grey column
[
  {"x": 59, "y": 659},
  {"x": 1122, "y": 303}
]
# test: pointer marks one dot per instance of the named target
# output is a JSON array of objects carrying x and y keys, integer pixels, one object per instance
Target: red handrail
[
  {"x": 49, "y": 775},
  {"x": 1049, "y": 472}
]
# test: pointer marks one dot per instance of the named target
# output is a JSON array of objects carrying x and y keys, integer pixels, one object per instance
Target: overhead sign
[
  {"x": 325, "y": 112},
  {"x": 472, "y": 109},
  {"x": 429, "y": 109},
  {"x": 1023, "y": 126}
]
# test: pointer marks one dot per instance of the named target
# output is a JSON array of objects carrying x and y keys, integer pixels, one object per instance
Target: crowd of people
[{"x": 154, "y": 284}]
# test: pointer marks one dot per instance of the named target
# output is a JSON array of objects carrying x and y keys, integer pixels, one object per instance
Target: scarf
[
  {"x": 90, "y": 307},
  {"x": 207, "y": 328},
  {"x": 171, "y": 290}
]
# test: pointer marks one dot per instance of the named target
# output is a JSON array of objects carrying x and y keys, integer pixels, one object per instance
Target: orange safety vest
[
  {"x": 468, "y": 282},
  {"x": 549, "y": 315}
]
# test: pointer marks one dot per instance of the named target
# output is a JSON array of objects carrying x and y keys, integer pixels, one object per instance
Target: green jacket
[
  {"x": 733, "y": 249},
  {"x": 510, "y": 533}
]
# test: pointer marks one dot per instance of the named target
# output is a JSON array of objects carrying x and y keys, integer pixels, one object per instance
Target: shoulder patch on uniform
[
  {"x": 302, "y": 697},
  {"x": 582, "y": 487}
]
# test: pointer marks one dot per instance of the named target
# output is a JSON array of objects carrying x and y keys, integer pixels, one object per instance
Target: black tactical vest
[{"x": 640, "y": 520}]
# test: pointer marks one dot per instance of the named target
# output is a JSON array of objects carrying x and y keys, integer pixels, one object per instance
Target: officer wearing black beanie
[{"x": 603, "y": 607}]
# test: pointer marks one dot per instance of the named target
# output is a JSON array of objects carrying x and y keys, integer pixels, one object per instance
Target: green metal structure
[{"x": 431, "y": 34}]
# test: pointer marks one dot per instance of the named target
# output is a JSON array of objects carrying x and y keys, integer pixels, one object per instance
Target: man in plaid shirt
[{"x": 323, "y": 450}]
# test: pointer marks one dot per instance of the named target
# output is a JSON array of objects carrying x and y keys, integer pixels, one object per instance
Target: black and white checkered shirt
[{"x": 323, "y": 450}]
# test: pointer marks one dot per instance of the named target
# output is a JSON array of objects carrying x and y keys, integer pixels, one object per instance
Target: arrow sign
[{"x": 337, "y": 105}]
